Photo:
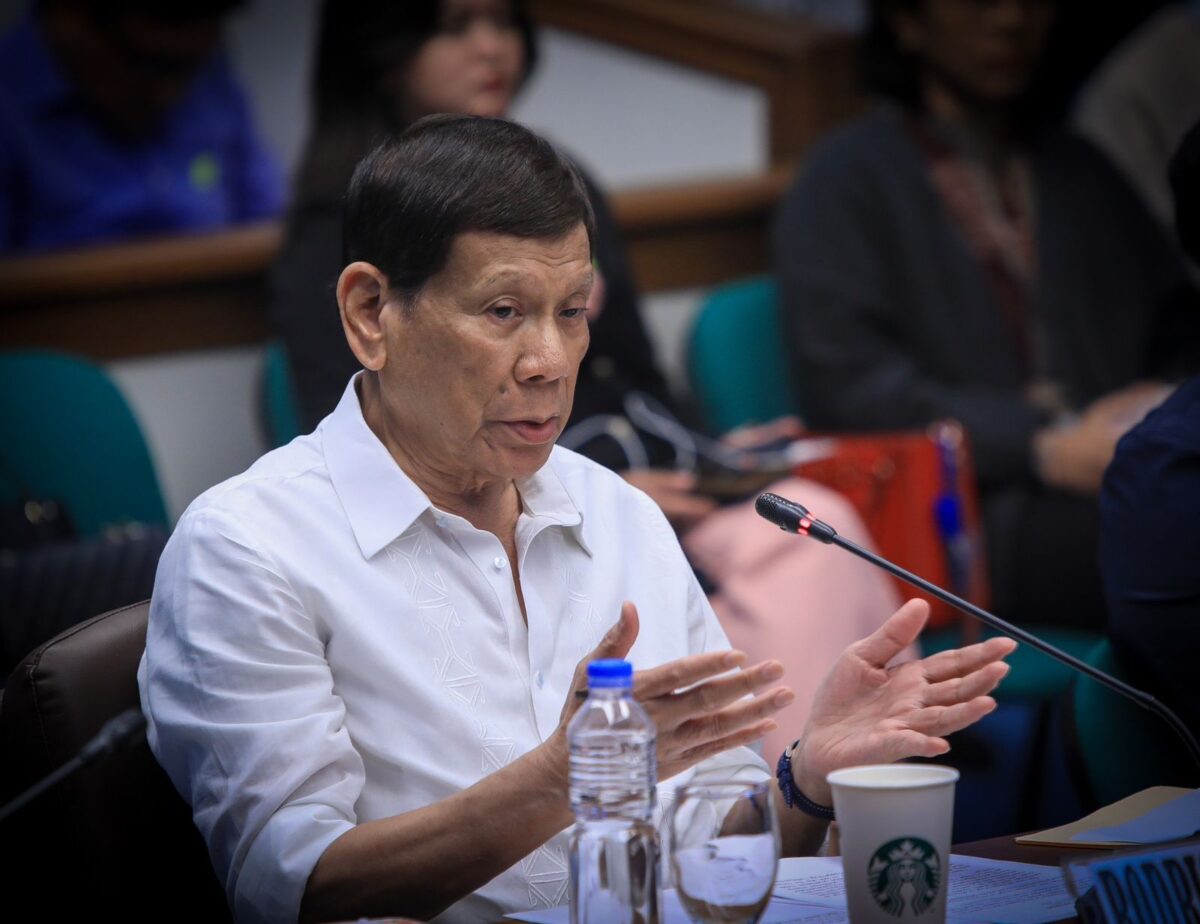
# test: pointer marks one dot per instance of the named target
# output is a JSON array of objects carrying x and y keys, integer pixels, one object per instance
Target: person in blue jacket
[{"x": 122, "y": 118}]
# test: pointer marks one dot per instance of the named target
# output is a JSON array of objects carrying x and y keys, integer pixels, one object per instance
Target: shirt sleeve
[{"x": 243, "y": 715}]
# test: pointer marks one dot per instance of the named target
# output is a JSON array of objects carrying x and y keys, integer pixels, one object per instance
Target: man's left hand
[{"x": 867, "y": 713}]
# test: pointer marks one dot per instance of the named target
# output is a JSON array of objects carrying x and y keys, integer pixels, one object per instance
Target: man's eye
[
  {"x": 574, "y": 312},
  {"x": 503, "y": 312}
]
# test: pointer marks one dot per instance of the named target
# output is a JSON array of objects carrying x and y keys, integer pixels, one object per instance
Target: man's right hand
[{"x": 698, "y": 706}]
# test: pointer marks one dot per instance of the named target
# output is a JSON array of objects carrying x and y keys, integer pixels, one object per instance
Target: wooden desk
[{"x": 1007, "y": 848}]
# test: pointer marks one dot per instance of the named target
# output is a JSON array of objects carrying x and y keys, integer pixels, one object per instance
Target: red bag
[{"x": 916, "y": 493}]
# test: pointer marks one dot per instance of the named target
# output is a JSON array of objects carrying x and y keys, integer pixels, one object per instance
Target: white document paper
[
  {"x": 1171, "y": 821},
  {"x": 778, "y": 912},
  {"x": 810, "y": 890},
  {"x": 980, "y": 890}
]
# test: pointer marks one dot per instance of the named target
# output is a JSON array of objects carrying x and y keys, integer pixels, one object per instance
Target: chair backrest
[
  {"x": 115, "y": 835},
  {"x": 735, "y": 359},
  {"x": 281, "y": 415},
  {"x": 1123, "y": 748},
  {"x": 67, "y": 434}
]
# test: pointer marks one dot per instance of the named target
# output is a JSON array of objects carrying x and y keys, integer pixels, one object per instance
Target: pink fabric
[{"x": 790, "y": 598}]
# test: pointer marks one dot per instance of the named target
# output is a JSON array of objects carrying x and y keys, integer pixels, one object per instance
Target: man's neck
[{"x": 493, "y": 505}]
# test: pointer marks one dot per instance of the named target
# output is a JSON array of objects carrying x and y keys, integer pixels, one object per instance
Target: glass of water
[{"x": 724, "y": 850}]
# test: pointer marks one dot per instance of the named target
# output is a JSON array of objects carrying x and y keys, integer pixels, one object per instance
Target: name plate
[{"x": 1158, "y": 884}]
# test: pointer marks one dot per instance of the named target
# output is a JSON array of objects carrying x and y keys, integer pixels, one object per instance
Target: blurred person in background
[
  {"x": 1143, "y": 99},
  {"x": 947, "y": 255},
  {"x": 1150, "y": 514},
  {"x": 381, "y": 66},
  {"x": 122, "y": 118}
]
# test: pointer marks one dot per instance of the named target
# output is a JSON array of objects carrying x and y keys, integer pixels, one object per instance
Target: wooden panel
[
  {"x": 176, "y": 293},
  {"x": 701, "y": 233},
  {"x": 205, "y": 291},
  {"x": 139, "y": 265},
  {"x": 809, "y": 74}
]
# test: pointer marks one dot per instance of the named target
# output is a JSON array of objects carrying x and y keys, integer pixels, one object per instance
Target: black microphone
[
  {"x": 126, "y": 727},
  {"x": 796, "y": 518}
]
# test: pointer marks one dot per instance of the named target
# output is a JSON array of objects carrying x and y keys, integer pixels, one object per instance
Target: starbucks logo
[{"x": 905, "y": 873}]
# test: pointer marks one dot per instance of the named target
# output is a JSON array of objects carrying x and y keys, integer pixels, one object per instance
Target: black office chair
[{"x": 115, "y": 836}]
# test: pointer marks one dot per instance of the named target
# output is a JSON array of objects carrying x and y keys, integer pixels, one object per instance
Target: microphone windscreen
[{"x": 779, "y": 510}]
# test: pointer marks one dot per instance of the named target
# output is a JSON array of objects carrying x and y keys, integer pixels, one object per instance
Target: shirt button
[
  {"x": 442, "y": 522},
  {"x": 540, "y": 679},
  {"x": 498, "y": 563}
]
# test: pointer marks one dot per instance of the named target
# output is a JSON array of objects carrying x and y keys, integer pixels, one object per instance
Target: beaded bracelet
[{"x": 792, "y": 796}]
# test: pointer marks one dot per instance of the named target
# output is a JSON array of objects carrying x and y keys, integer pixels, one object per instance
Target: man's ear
[{"x": 361, "y": 295}]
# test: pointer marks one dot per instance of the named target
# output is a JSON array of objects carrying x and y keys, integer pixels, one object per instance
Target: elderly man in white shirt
[{"x": 363, "y": 651}]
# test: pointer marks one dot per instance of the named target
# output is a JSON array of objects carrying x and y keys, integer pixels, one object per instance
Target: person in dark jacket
[
  {"x": 946, "y": 256},
  {"x": 1150, "y": 514}
]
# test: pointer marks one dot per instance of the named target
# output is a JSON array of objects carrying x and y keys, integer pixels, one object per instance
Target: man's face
[{"x": 480, "y": 370}]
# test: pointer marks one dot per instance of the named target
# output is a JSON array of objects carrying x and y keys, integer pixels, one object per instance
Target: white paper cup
[{"x": 894, "y": 822}]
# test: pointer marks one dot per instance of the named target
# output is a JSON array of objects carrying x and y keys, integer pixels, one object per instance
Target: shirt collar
[
  {"x": 382, "y": 502},
  {"x": 546, "y": 498}
]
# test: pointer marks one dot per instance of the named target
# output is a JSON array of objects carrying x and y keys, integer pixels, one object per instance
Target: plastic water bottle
[{"x": 614, "y": 847}]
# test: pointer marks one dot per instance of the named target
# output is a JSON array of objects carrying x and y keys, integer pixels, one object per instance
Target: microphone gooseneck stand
[
  {"x": 795, "y": 518},
  {"x": 124, "y": 728}
]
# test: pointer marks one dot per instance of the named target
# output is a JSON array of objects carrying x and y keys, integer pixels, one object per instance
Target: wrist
[
  {"x": 550, "y": 767},
  {"x": 801, "y": 787},
  {"x": 1045, "y": 454}
]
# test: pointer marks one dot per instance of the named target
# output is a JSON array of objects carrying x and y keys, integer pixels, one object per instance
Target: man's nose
[{"x": 544, "y": 354}]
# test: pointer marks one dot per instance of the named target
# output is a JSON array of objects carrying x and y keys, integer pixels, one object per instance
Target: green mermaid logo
[{"x": 905, "y": 872}]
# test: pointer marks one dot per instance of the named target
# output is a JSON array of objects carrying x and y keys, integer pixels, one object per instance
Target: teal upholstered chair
[
  {"x": 735, "y": 360},
  {"x": 282, "y": 417},
  {"x": 1123, "y": 748},
  {"x": 67, "y": 434}
]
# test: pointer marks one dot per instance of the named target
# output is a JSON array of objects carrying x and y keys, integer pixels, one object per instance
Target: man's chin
[{"x": 525, "y": 461}]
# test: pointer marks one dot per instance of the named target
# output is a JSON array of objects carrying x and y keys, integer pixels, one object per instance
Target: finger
[
  {"x": 683, "y": 672},
  {"x": 616, "y": 643},
  {"x": 962, "y": 689},
  {"x": 730, "y": 720},
  {"x": 959, "y": 662},
  {"x": 620, "y": 638},
  {"x": 745, "y": 736},
  {"x": 914, "y": 744},
  {"x": 945, "y": 720},
  {"x": 710, "y": 697},
  {"x": 897, "y": 633}
]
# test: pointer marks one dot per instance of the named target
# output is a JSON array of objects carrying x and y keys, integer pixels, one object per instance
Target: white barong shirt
[{"x": 326, "y": 648}]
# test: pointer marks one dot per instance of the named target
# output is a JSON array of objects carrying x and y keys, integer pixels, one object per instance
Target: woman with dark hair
[
  {"x": 379, "y": 67},
  {"x": 948, "y": 256}
]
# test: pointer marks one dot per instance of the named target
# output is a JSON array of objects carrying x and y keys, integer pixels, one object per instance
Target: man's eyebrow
[{"x": 585, "y": 281}]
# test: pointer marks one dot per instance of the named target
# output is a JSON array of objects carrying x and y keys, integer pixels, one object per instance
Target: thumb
[
  {"x": 620, "y": 638},
  {"x": 616, "y": 644},
  {"x": 898, "y": 632}
]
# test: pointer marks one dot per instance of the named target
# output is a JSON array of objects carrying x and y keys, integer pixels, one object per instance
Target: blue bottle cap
[{"x": 610, "y": 672}]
